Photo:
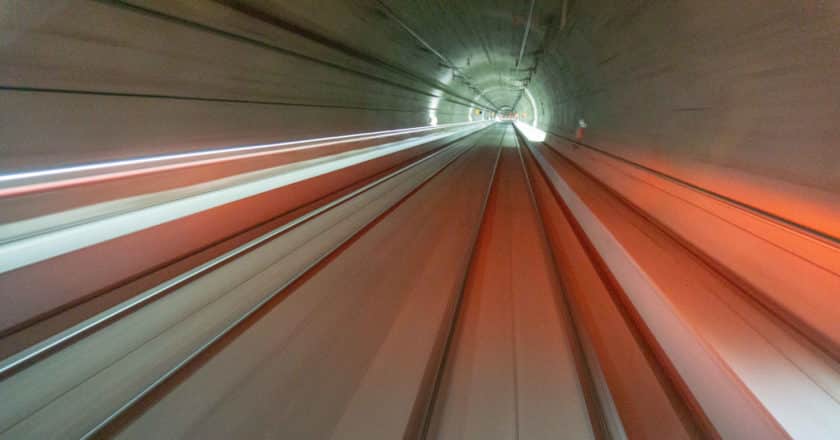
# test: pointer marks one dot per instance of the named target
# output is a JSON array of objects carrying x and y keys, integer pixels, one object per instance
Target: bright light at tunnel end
[{"x": 531, "y": 133}]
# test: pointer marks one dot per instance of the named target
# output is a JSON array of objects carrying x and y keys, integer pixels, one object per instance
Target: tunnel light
[
  {"x": 433, "y": 105},
  {"x": 531, "y": 133},
  {"x": 533, "y": 106}
]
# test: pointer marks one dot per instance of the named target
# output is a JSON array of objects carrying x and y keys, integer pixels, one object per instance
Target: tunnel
[{"x": 420, "y": 219}]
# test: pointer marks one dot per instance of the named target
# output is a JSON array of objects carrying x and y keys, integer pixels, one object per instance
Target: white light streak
[{"x": 118, "y": 165}]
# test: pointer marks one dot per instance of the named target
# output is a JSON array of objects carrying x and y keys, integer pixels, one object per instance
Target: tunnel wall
[
  {"x": 744, "y": 90},
  {"x": 86, "y": 80}
]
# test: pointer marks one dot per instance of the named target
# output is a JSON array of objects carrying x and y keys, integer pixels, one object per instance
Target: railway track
[{"x": 482, "y": 286}]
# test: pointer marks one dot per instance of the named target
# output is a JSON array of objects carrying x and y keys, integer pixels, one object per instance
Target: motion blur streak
[
  {"x": 19, "y": 189},
  {"x": 370, "y": 219},
  {"x": 55, "y": 241}
]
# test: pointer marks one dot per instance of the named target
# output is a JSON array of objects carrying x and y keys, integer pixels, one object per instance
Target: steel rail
[
  {"x": 429, "y": 407},
  {"x": 606, "y": 420}
]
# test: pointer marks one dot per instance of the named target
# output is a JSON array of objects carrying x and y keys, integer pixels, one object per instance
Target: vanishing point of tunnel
[{"x": 420, "y": 219}]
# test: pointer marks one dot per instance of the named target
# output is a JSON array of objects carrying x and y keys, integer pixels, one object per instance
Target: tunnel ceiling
[{"x": 486, "y": 52}]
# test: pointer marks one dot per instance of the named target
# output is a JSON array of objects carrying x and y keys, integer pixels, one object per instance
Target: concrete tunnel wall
[
  {"x": 748, "y": 88},
  {"x": 748, "y": 85}
]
